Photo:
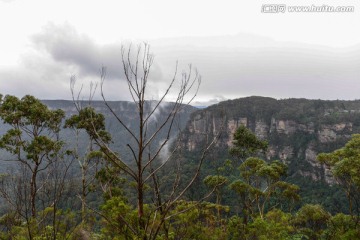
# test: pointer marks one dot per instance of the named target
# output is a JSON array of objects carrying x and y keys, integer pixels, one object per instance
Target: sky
[{"x": 238, "y": 49}]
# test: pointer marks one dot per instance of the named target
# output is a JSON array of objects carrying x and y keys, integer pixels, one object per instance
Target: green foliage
[
  {"x": 215, "y": 181},
  {"x": 30, "y": 119},
  {"x": 275, "y": 225},
  {"x": 246, "y": 143},
  {"x": 342, "y": 226},
  {"x": 39, "y": 230},
  {"x": 112, "y": 183},
  {"x": 117, "y": 213},
  {"x": 236, "y": 228},
  {"x": 345, "y": 167},
  {"x": 260, "y": 185},
  {"x": 93, "y": 123},
  {"x": 311, "y": 220},
  {"x": 198, "y": 221},
  {"x": 29, "y": 111}
]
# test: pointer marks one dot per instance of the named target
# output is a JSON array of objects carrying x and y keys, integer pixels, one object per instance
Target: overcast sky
[{"x": 238, "y": 50}]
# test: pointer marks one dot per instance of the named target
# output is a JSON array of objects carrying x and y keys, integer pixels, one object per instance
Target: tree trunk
[
  {"x": 83, "y": 196},
  {"x": 33, "y": 191},
  {"x": 141, "y": 211}
]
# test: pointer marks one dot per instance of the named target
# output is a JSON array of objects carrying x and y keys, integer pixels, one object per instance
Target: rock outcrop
[{"x": 296, "y": 129}]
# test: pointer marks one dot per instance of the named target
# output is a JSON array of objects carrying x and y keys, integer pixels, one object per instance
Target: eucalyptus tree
[
  {"x": 89, "y": 160},
  {"x": 246, "y": 144},
  {"x": 344, "y": 165},
  {"x": 33, "y": 142},
  {"x": 260, "y": 181}
]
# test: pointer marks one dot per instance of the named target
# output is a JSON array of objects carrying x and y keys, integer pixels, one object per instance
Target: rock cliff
[{"x": 296, "y": 129}]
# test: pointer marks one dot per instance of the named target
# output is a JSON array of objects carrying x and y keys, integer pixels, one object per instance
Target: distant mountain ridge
[{"x": 296, "y": 129}]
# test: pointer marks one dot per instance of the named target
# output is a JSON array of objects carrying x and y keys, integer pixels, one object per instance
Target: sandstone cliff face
[
  {"x": 294, "y": 142},
  {"x": 283, "y": 126},
  {"x": 329, "y": 133}
]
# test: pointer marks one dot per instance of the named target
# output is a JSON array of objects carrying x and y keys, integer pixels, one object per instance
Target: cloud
[
  {"x": 65, "y": 45},
  {"x": 267, "y": 67},
  {"x": 36, "y": 75},
  {"x": 59, "y": 51},
  {"x": 82, "y": 56},
  {"x": 230, "y": 66},
  {"x": 210, "y": 100}
]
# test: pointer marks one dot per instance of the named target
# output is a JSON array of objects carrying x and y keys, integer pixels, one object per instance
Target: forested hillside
[
  {"x": 249, "y": 168},
  {"x": 297, "y": 130}
]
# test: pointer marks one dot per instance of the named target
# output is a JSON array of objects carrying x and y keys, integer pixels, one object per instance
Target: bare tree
[{"x": 144, "y": 145}]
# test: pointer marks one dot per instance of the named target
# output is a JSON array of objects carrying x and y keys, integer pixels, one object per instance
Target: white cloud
[
  {"x": 266, "y": 67},
  {"x": 230, "y": 66}
]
